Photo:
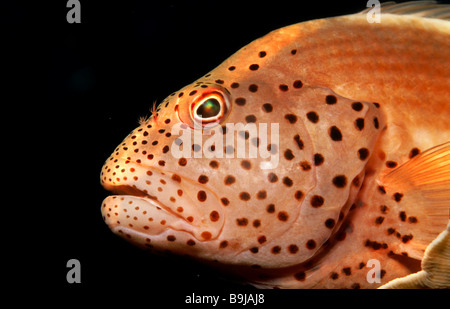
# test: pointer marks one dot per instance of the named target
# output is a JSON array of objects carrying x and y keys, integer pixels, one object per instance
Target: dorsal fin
[{"x": 428, "y": 9}]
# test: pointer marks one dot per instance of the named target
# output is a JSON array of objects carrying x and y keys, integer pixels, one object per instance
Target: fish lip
[
  {"x": 134, "y": 189},
  {"x": 126, "y": 189}
]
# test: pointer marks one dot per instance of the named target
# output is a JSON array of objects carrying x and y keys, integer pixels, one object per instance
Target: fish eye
[{"x": 209, "y": 109}]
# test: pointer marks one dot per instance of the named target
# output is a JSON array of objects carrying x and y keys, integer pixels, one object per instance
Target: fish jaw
[{"x": 176, "y": 220}]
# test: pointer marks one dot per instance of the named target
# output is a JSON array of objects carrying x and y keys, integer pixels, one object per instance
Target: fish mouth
[{"x": 148, "y": 201}]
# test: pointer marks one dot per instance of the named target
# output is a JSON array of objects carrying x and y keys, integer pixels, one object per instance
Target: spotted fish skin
[{"x": 349, "y": 105}]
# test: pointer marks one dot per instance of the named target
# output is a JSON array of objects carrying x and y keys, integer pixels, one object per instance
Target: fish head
[{"x": 240, "y": 169}]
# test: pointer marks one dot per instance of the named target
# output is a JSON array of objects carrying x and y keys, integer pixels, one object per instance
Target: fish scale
[{"x": 335, "y": 182}]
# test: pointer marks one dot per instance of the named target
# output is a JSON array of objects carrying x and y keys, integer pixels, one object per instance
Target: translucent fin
[
  {"x": 420, "y": 191},
  {"x": 428, "y": 9}
]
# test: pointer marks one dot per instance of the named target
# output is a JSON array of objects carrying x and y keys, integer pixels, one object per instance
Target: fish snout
[{"x": 152, "y": 205}]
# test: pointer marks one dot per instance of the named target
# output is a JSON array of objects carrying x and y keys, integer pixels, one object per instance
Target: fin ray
[{"x": 424, "y": 181}]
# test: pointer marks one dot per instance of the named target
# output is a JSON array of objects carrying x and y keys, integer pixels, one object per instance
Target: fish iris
[{"x": 208, "y": 109}]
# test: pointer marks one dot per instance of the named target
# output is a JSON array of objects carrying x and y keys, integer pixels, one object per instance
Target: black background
[{"x": 83, "y": 88}]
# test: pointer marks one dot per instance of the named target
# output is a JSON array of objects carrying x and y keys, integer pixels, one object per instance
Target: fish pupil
[{"x": 209, "y": 108}]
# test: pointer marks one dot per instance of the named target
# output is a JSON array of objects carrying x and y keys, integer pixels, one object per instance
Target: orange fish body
[{"x": 344, "y": 184}]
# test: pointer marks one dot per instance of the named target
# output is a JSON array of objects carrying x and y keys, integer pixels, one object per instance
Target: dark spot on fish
[
  {"x": 287, "y": 181},
  {"x": 316, "y": 201},
  {"x": 267, "y": 107},
  {"x": 234, "y": 85},
  {"x": 293, "y": 249},
  {"x": 270, "y": 208},
  {"x": 335, "y": 134},
  {"x": 240, "y": 101},
  {"x": 402, "y": 216},
  {"x": 293, "y": 52},
  {"x": 276, "y": 250},
  {"x": 381, "y": 190},
  {"x": 356, "y": 182},
  {"x": 375, "y": 123},
  {"x": 305, "y": 166},
  {"x": 201, "y": 196},
  {"x": 414, "y": 152},
  {"x": 283, "y": 216},
  {"x": 214, "y": 164},
  {"x": 291, "y": 118},
  {"x": 196, "y": 147},
  {"x": 313, "y": 117},
  {"x": 311, "y": 244},
  {"x": 288, "y": 155},
  {"x": 206, "y": 235},
  {"x": 219, "y": 81},
  {"x": 244, "y": 196},
  {"x": 250, "y": 118},
  {"x": 329, "y": 223},
  {"x": 412, "y": 219},
  {"x": 357, "y": 106},
  {"x": 391, "y": 164},
  {"x": 407, "y": 238},
  {"x": 301, "y": 276},
  {"x": 232, "y": 68},
  {"x": 334, "y": 275},
  {"x": 262, "y": 54},
  {"x": 261, "y": 195},
  {"x": 340, "y": 181},
  {"x": 272, "y": 177},
  {"x": 245, "y": 164},
  {"x": 284, "y": 87},
  {"x": 347, "y": 271},
  {"x": 330, "y": 99},
  {"x": 363, "y": 153},
  {"x": 298, "y": 141},
  {"x": 230, "y": 180},
  {"x": 225, "y": 201},
  {"x": 298, "y": 84},
  {"x": 298, "y": 195},
  {"x": 214, "y": 216},
  {"x": 262, "y": 239},
  {"x": 379, "y": 220},
  {"x": 223, "y": 244},
  {"x": 254, "y": 250},
  {"x": 256, "y": 223},
  {"x": 253, "y": 88},
  {"x": 384, "y": 209},
  {"x": 397, "y": 196},
  {"x": 192, "y": 92},
  {"x": 254, "y": 67},
  {"x": 359, "y": 123},
  {"x": 242, "y": 222},
  {"x": 318, "y": 159},
  {"x": 176, "y": 178},
  {"x": 203, "y": 179}
]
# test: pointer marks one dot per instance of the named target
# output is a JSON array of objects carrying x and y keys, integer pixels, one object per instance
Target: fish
[{"x": 317, "y": 156}]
